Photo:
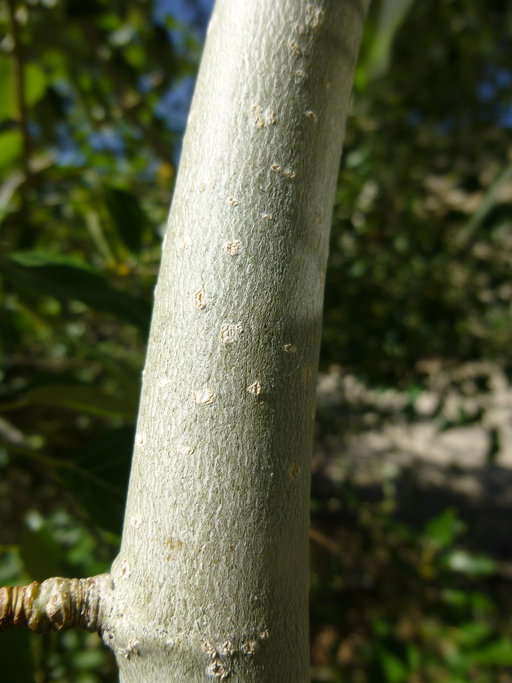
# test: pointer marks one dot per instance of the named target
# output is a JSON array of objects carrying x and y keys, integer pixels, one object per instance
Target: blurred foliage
[
  {"x": 93, "y": 101},
  {"x": 93, "y": 97},
  {"x": 422, "y": 240},
  {"x": 393, "y": 604}
]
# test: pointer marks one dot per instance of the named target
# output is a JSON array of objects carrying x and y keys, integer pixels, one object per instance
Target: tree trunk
[
  {"x": 212, "y": 575},
  {"x": 213, "y": 569}
]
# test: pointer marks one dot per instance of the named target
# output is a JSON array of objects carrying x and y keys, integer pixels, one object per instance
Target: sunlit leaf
[
  {"x": 469, "y": 563},
  {"x": 10, "y": 146},
  {"x": 35, "y": 83}
]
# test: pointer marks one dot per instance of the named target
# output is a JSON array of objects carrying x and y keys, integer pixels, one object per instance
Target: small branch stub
[{"x": 54, "y": 605}]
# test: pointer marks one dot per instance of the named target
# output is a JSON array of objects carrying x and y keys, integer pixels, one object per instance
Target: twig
[{"x": 54, "y": 604}]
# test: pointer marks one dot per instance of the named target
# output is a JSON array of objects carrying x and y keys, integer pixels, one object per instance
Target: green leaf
[
  {"x": 81, "y": 398},
  {"x": 392, "y": 14},
  {"x": 471, "y": 633},
  {"x": 469, "y": 563},
  {"x": 10, "y": 146},
  {"x": 465, "y": 599},
  {"x": 498, "y": 653},
  {"x": 393, "y": 668},
  {"x": 127, "y": 216},
  {"x": 441, "y": 531},
  {"x": 65, "y": 278},
  {"x": 7, "y": 99},
  {"x": 40, "y": 553},
  {"x": 35, "y": 83},
  {"x": 41, "y": 258}
]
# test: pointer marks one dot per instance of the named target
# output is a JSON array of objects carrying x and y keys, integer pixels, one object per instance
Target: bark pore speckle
[
  {"x": 204, "y": 396},
  {"x": 136, "y": 521},
  {"x": 230, "y": 332},
  {"x": 262, "y": 117},
  {"x": 199, "y": 300},
  {"x": 233, "y": 248},
  {"x": 255, "y": 389}
]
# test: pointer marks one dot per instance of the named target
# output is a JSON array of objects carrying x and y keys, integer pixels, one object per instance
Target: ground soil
[{"x": 446, "y": 443}]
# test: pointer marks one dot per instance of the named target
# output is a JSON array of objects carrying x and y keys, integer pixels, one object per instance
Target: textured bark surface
[{"x": 212, "y": 577}]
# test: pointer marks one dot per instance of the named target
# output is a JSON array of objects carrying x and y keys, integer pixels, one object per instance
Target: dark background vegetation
[{"x": 93, "y": 102}]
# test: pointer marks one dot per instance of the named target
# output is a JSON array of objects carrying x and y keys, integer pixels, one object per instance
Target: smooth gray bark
[{"x": 212, "y": 577}]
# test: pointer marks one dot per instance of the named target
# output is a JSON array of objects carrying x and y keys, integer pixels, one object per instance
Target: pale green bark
[{"x": 212, "y": 576}]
